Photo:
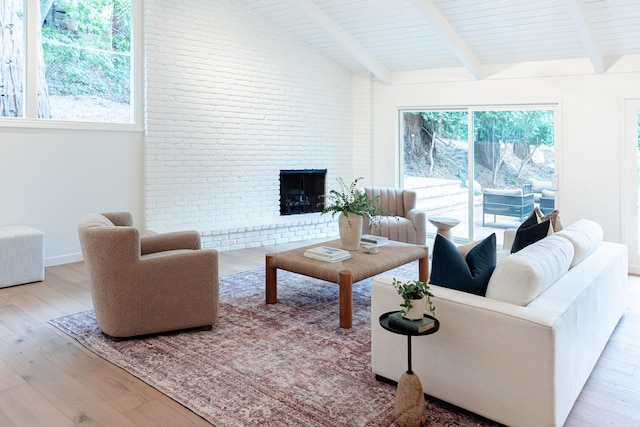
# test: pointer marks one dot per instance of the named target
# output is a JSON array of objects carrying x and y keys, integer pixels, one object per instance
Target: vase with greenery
[
  {"x": 414, "y": 293},
  {"x": 352, "y": 206}
]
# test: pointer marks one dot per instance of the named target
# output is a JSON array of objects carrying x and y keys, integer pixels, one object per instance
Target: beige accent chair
[
  {"x": 405, "y": 224},
  {"x": 147, "y": 284}
]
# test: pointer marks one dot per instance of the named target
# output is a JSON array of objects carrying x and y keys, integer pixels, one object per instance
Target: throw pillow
[
  {"x": 554, "y": 216},
  {"x": 530, "y": 232},
  {"x": 450, "y": 269},
  {"x": 465, "y": 249}
]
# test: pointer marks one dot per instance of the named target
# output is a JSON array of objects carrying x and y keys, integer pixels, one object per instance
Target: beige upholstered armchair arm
[
  {"x": 409, "y": 199},
  {"x": 120, "y": 219},
  {"x": 169, "y": 241},
  {"x": 508, "y": 237},
  {"x": 419, "y": 219}
]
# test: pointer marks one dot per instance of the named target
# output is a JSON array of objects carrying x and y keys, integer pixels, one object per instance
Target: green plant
[
  {"x": 412, "y": 290},
  {"x": 94, "y": 59},
  {"x": 347, "y": 200}
]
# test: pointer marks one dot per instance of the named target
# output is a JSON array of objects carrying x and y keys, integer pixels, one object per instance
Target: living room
[
  {"x": 256, "y": 101},
  {"x": 230, "y": 99}
]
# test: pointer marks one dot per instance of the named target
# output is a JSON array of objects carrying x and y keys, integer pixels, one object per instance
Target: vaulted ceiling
[{"x": 385, "y": 36}]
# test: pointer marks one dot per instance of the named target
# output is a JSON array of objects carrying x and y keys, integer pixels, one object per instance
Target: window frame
[
  {"x": 630, "y": 176},
  {"x": 31, "y": 120}
]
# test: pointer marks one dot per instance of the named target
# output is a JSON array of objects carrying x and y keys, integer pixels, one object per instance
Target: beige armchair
[
  {"x": 144, "y": 285},
  {"x": 405, "y": 224}
]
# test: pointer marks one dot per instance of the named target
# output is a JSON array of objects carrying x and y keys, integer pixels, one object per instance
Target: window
[
  {"x": 499, "y": 149},
  {"x": 84, "y": 56}
]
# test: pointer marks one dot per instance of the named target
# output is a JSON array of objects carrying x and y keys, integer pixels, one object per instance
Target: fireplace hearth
[{"x": 300, "y": 191}]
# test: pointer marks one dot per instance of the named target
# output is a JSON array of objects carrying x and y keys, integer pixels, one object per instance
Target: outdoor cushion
[{"x": 504, "y": 192}]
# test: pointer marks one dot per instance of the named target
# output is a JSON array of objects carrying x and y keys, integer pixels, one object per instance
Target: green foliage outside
[
  {"x": 94, "y": 59},
  {"x": 533, "y": 126},
  {"x": 505, "y": 143}
]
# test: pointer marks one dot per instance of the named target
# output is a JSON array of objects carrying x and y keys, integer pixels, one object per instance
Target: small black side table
[{"x": 409, "y": 393}]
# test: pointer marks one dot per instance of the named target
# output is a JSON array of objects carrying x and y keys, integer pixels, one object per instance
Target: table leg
[
  {"x": 423, "y": 266},
  {"x": 346, "y": 298},
  {"x": 409, "y": 370},
  {"x": 272, "y": 282}
]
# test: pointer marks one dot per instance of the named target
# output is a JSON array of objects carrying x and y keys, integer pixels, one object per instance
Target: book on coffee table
[
  {"x": 370, "y": 239},
  {"x": 327, "y": 253},
  {"x": 419, "y": 326}
]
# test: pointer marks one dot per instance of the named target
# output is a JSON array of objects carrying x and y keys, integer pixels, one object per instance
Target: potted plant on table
[
  {"x": 416, "y": 295},
  {"x": 352, "y": 206}
]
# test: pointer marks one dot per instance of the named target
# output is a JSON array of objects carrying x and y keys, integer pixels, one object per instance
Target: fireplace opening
[{"x": 300, "y": 191}]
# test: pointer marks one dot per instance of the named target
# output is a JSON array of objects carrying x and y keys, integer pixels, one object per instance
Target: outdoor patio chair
[{"x": 513, "y": 203}]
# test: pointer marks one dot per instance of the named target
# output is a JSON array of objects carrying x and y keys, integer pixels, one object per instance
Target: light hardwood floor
[{"x": 48, "y": 379}]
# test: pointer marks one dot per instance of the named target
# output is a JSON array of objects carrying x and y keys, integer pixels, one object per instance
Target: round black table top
[{"x": 384, "y": 322}]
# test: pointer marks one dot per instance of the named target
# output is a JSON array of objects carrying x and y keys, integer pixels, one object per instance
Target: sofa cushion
[
  {"x": 520, "y": 277},
  {"x": 453, "y": 270},
  {"x": 530, "y": 232},
  {"x": 585, "y": 236}
]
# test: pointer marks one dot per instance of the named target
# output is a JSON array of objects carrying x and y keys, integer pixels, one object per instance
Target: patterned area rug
[{"x": 284, "y": 364}]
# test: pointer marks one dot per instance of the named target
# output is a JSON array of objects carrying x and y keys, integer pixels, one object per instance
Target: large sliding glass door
[{"x": 507, "y": 151}]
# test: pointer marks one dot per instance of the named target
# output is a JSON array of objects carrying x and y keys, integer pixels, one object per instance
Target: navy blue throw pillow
[
  {"x": 471, "y": 274},
  {"x": 528, "y": 234}
]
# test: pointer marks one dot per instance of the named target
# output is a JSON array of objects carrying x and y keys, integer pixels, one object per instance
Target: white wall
[
  {"x": 231, "y": 101},
  {"x": 51, "y": 178},
  {"x": 591, "y": 139}
]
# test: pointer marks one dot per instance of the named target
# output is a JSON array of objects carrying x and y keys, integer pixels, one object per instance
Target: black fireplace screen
[{"x": 300, "y": 191}]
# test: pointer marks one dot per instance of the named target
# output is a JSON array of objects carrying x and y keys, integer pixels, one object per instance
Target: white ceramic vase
[
  {"x": 350, "y": 228},
  {"x": 416, "y": 312}
]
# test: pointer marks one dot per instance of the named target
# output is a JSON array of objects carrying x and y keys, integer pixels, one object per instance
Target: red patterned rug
[{"x": 285, "y": 364}]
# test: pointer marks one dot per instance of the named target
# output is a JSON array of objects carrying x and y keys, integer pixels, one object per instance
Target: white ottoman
[{"x": 21, "y": 255}]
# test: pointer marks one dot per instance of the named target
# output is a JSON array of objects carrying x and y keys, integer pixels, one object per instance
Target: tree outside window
[{"x": 84, "y": 60}]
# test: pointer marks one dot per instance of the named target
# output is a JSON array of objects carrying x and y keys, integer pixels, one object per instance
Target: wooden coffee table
[{"x": 345, "y": 273}]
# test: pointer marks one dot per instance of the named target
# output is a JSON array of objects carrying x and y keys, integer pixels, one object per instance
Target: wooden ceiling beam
[
  {"x": 578, "y": 12},
  {"x": 449, "y": 36}
]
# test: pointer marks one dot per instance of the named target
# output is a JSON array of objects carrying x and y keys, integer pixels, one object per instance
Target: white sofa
[{"x": 520, "y": 365}]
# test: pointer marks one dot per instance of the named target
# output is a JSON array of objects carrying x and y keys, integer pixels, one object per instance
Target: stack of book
[
  {"x": 371, "y": 240},
  {"x": 328, "y": 254},
  {"x": 397, "y": 320}
]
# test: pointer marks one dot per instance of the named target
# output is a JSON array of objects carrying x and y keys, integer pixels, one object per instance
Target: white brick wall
[
  {"x": 363, "y": 126},
  {"x": 232, "y": 100}
]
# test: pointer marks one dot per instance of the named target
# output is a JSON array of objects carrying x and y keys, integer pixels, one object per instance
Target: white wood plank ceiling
[{"x": 384, "y": 36}]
